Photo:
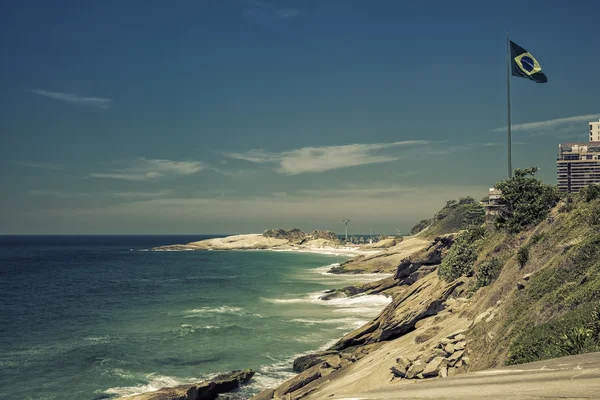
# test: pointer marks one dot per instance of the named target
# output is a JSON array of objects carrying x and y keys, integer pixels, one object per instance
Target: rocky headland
[{"x": 278, "y": 240}]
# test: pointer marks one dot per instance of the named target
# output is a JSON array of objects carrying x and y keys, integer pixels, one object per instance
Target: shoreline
[{"x": 264, "y": 378}]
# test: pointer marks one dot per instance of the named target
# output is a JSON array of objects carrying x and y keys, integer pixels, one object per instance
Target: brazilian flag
[{"x": 525, "y": 65}]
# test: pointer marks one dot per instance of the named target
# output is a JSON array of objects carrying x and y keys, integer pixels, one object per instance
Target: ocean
[{"x": 94, "y": 317}]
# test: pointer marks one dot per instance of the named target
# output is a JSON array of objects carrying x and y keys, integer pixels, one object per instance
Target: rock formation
[{"x": 208, "y": 390}]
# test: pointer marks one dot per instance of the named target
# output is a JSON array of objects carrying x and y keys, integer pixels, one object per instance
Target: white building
[{"x": 595, "y": 131}]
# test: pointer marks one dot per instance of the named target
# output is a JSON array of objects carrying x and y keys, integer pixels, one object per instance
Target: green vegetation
[
  {"x": 566, "y": 297},
  {"x": 455, "y": 216},
  {"x": 523, "y": 255},
  {"x": 462, "y": 255},
  {"x": 488, "y": 272},
  {"x": 575, "y": 333},
  {"x": 419, "y": 226},
  {"x": 525, "y": 201}
]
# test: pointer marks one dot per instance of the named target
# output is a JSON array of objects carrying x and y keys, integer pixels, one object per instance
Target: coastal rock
[
  {"x": 425, "y": 298},
  {"x": 398, "y": 372},
  {"x": 434, "y": 366},
  {"x": 415, "y": 369},
  {"x": 455, "y": 357},
  {"x": 430, "y": 256},
  {"x": 460, "y": 345},
  {"x": 303, "y": 363},
  {"x": 387, "y": 260},
  {"x": 208, "y": 390},
  {"x": 402, "y": 363},
  {"x": 454, "y": 334},
  {"x": 431, "y": 354},
  {"x": 299, "y": 380},
  {"x": 449, "y": 348}
]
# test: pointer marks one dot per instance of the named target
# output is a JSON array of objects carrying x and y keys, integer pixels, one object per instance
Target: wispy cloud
[
  {"x": 97, "y": 102},
  {"x": 442, "y": 151},
  {"x": 39, "y": 165},
  {"x": 549, "y": 126},
  {"x": 325, "y": 158},
  {"x": 58, "y": 194},
  {"x": 143, "y": 169},
  {"x": 263, "y": 9},
  {"x": 142, "y": 195}
]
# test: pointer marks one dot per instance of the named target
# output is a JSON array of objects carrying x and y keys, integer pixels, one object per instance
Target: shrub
[
  {"x": 592, "y": 215},
  {"x": 590, "y": 193},
  {"x": 419, "y": 226},
  {"x": 462, "y": 255},
  {"x": 525, "y": 201},
  {"x": 488, "y": 272},
  {"x": 523, "y": 255},
  {"x": 538, "y": 237}
]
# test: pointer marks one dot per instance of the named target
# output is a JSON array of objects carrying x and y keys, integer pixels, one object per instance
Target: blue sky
[{"x": 241, "y": 115}]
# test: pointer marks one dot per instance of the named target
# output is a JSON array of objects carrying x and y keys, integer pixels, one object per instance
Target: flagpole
[{"x": 508, "y": 103}]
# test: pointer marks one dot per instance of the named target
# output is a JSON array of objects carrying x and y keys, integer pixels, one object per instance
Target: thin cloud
[
  {"x": 70, "y": 98},
  {"x": 550, "y": 124},
  {"x": 57, "y": 194},
  {"x": 461, "y": 148},
  {"x": 143, "y": 169},
  {"x": 51, "y": 166},
  {"x": 325, "y": 158},
  {"x": 143, "y": 195}
]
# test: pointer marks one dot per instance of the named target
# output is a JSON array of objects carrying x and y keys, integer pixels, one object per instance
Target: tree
[{"x": 525, "y": 201}]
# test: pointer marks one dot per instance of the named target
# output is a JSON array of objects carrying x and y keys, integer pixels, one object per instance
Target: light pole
[{"x": 346, "y": 222}]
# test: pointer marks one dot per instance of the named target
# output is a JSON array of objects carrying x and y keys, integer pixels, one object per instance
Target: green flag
[{"x": 525, "y": 65}]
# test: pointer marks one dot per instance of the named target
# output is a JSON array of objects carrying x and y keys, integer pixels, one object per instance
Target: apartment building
[
  {"x": 595, "y": 131},
  {"x": 578, "y": 165}
]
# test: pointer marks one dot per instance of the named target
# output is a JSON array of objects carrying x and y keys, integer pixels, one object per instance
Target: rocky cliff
[{"x": 467, "y": 301}]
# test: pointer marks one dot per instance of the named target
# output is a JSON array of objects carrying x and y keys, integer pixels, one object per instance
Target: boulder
[
  {"x": 305, "y": 362},
  {"x": 455, "y": 357},
  {"x": 415, "y": 369},
  {"x": 443, "y": 372},
  {"x": 434, "y": 366},
  {"x": 266, "y": 394},
  {"x": 455, "y": 334},
  {"x": 520, "y": 286},
  {"x": 299, "y": 380},
  {"x": 431, "y": 354},
  {"x": 449, "y": 348},
  {"x": 402, "y": 363},
  {"x": 460, "y": 345},
  {"x": 208, "y": 390},
  {"x": 399, "y": 373},
  {"x": 459, "y": 338}
]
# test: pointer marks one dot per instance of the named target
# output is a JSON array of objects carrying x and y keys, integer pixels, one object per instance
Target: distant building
[
  {"x": 491, "y": 207},
  {"x": 595, "y": 131},
  {"x": 577, "y": 165}
]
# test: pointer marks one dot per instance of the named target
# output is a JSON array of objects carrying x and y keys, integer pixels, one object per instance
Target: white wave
[
  {"x": 372, "y": 303},
  {"x": 159, "y": 250},
  {"x": 346, "y": 323},
  {"x": 97, "y": 339},
  {"x": 155, "y": 382},
  {"x": 216, "y": 310},
  {"x": 198, "y": 312}
]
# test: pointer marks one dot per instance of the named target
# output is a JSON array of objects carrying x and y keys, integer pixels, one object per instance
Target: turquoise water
[{"x": 100, "y": 317}]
